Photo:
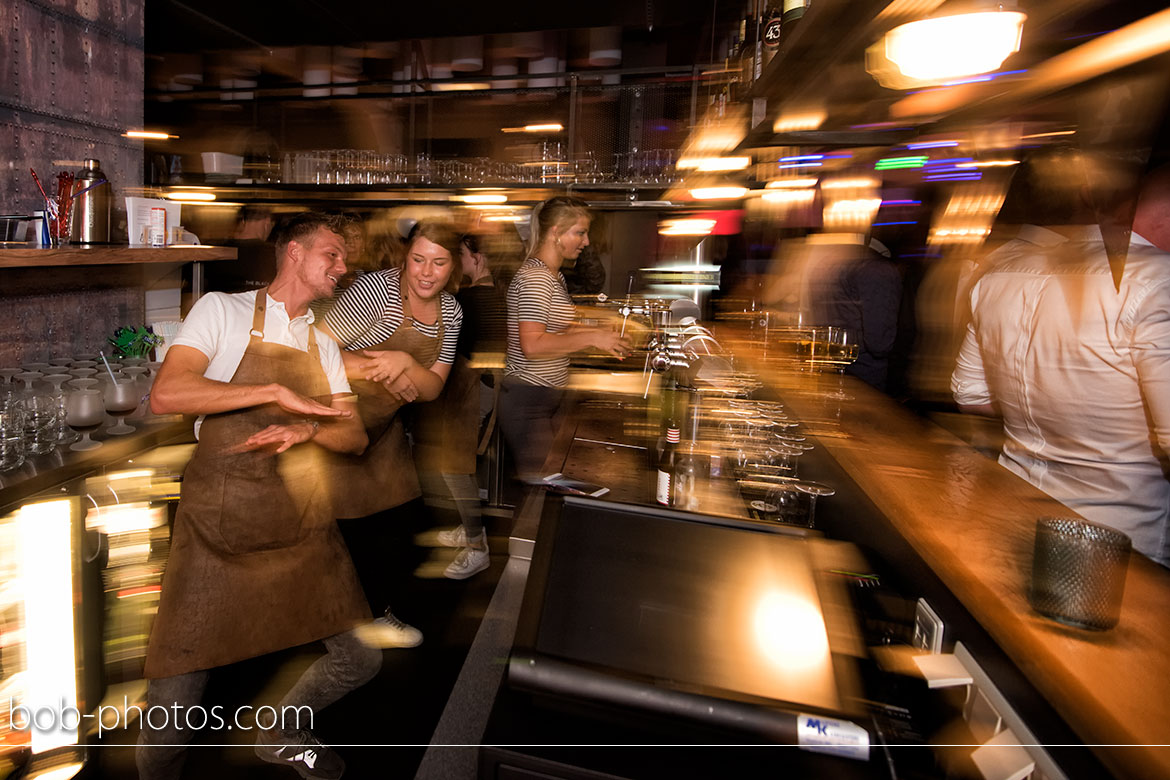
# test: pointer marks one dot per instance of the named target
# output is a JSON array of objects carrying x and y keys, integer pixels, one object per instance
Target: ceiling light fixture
[{"x": 950, "y": 47}]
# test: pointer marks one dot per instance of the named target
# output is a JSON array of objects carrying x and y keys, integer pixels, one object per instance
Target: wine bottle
[
  {"x": 690, "y": 466},
  {"x": 665, "y": 471}
]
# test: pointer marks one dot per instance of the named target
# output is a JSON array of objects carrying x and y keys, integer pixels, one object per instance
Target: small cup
[{"x": 1078, "y": 572}]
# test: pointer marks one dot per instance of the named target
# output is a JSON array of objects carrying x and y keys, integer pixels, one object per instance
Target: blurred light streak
[
  {"x": 893, "y": 163},
  {"x": 800, "y": 165},
  {"x": 714, "y": 163},
  {"x": 984, "y": 77},
  {"x": 784, "y": 184},
  {"x": 46, "y": 548},
  {"x": 1135, "y": 42},
  {"x": 953, "y": 177},
  {"x": 887, "y": 224},
  {"x": 718, "y": 193},
  {"x": 686, "y": 227},
  {"x": 931, "y": 145},
  {"x": 901, "y": 203}
]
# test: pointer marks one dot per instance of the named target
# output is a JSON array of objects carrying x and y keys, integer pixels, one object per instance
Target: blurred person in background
[
  {"x": 256, "y": 563},
  {"x": 448, "y": 432},
  {"x": 1078, "y": 369},
  {"x": 542, "y": 333},
  {"x": 845, "y": 280},
  {"x": 399, "y": 330}
]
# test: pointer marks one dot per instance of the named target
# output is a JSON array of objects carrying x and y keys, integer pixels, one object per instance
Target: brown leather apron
[
  {"x": 257, "y": 563},
  {"x": 383, "y": 476},
  {"x": 446, "y": 431}
]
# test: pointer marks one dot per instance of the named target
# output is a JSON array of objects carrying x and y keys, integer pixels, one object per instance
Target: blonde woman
[{"x": 542, "y": 333}]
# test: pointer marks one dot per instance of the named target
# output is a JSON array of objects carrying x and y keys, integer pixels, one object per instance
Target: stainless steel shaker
[{"x": 91, "y": 210}]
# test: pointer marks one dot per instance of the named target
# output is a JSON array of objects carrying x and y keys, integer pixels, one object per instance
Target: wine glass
[
  {"x": 79, "y": 363},
  {"x": 121, "y": 400},
  {"x": 6, "y": 375},
  {"x": 64, "y": 433},
  {"x": 83, "y": 383},
  {"x": 82, "y": 372},
  {"x": 84, "y": 413},
  {"x": 28, "y": 377}
]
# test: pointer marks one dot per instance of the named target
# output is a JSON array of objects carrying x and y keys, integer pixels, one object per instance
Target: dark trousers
[
  {"x": 528, "y": 418},
  {"x": 173, "y": 705}
]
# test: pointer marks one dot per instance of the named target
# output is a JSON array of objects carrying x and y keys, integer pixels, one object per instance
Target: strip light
[{"x": 154, "y": 135}]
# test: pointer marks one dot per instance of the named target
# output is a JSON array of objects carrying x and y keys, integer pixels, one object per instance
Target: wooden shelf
[{"x": 35, "y": 257}]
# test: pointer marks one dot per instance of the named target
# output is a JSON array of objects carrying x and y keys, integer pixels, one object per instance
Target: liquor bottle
[
  {"x": 664, "y": 473},
  {"x": 793, "y": 10},
  {"x": 690, "y": 467}
]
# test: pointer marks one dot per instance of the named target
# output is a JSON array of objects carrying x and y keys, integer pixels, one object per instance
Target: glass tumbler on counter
[
  {"x": 1078, "y": 572},
  {"x": 11, "y": 437}
]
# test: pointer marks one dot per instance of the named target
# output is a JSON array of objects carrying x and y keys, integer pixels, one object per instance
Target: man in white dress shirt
[{"x": 1080, "y": 370}]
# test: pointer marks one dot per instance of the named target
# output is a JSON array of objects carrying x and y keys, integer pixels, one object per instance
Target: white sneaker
[
  {"x": 453, "y": 537},
  {"x": 467, "y": 562},
  {"x": 388, "y": 631}
]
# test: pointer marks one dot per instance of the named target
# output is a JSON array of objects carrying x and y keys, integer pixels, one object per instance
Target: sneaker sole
[
  {"x": 462, "y": 575},
  {"x": 370, "y": 637},
  {"x": 304, "y": 772}
]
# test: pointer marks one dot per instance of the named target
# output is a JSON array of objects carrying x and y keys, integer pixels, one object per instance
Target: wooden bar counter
[{"x": 973, "y": 523}]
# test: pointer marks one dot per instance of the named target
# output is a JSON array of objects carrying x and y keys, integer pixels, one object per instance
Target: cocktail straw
[
  {"x": 102, "y": 352},
  {"x": 97, "y": 183},
  {"x": 40, "y": 187}
]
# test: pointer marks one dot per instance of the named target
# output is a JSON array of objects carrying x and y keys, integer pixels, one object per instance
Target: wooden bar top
[
  {"x": 44, "y": 257},
  {"x": 973, "y": 522}
]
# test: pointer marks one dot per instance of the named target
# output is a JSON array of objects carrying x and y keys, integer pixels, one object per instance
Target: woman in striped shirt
[
  {"x": 541, "y": 333},
  {"x": 398, "y": 330}
]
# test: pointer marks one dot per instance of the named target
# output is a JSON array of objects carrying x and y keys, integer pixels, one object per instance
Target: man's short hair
[{"x": 299, "y": 227}]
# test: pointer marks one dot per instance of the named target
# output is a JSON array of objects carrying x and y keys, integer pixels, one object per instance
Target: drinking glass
[
  {"x": 121, "y": 400},
  {"x": 6, "y": 374},
  {"x": 11, "y": 437},
  {"x": 84, "y": 413},
  {"x": 65, "y": 434},
  {"x": 83, "y": 383},
  {"x": 842, "y": 347},
  {"x": 82, "y": 372},
  {"x": 28, "y": 377}
]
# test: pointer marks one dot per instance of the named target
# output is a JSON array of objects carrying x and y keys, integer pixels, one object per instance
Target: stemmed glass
[
  {"x": 28, "y": 377},
  {"x": 6, "y": 374},
  {"x": 121, "y": 400},
  {"x": 841, "y": 347},
  {"x": 64, "y": 433},
  {"x": 84, "y": 413}
]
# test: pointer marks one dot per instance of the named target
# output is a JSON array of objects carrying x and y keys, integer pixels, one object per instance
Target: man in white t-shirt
[{"x": 257, "y": 563}]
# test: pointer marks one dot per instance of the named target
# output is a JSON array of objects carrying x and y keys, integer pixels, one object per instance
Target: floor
[{"x": 382, "y": 729}]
